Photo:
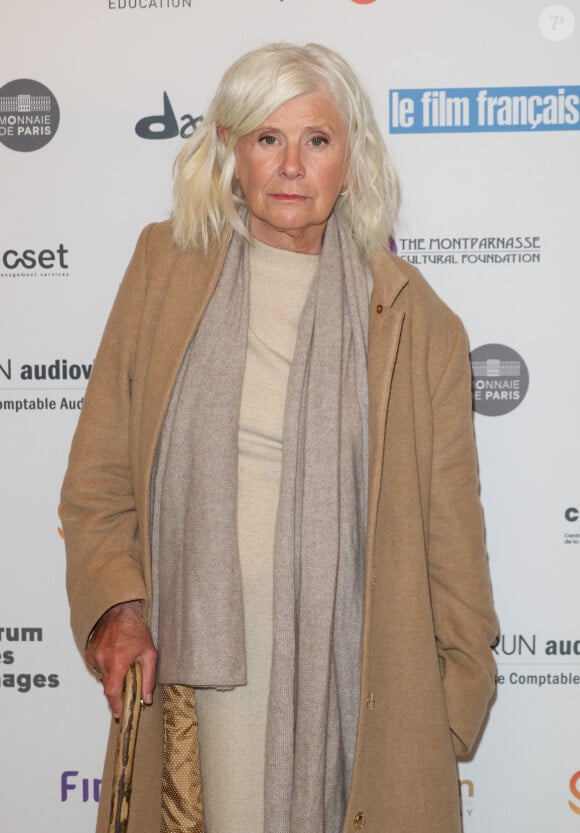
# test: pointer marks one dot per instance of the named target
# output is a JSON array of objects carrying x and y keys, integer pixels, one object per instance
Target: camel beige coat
[{"x": 427, "y": 670}]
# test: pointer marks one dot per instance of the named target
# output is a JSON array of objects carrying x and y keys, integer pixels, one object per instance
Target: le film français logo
[{"x": 29, "y": 115}]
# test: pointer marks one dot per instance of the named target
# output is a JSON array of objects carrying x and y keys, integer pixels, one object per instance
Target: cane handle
[{"x": 125, "y": 752}]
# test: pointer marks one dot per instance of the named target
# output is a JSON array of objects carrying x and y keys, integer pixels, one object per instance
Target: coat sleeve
[
  {"x": 463, "y": 612},
  {"x": 98, "y": 504}
]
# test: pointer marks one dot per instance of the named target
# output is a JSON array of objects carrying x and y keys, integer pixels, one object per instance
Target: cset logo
[
  {"x": 17, "y": 263},
  {"x": 29, "y": 115},
  {"x": 500, "y": 379},
  {"x": 165, "y": 126}
]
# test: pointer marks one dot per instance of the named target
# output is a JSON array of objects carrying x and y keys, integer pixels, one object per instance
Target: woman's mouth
[{"x": 289, "y": 197}]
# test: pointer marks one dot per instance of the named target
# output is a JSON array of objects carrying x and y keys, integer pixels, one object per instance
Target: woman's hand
[{"x": 120, "y": 638}]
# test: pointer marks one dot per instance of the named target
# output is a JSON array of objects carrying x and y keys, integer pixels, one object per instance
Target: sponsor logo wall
[{"x": 481, "y": 111}]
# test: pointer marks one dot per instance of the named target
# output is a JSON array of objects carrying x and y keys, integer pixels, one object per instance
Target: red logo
[
  {"x": 363, "y": 2},
  {"x": 574, "y": 789}
]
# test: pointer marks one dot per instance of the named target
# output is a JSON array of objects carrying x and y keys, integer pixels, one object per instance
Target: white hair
[{"x": 206, "y": 192}]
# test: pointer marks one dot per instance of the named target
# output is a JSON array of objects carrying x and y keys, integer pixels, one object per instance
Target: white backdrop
[{"x": 490, "y": 214}]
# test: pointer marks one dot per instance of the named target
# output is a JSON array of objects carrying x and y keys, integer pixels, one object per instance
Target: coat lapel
[
  {"x": 190, "y": 286},
  {"x": 385, "y": 327}
]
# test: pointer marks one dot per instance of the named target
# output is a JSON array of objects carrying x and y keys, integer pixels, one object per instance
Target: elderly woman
[{"x": 272, "y": 499}]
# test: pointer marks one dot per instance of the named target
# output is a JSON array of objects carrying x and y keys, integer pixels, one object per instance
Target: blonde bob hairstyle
[{"x": 206, "y": 193}]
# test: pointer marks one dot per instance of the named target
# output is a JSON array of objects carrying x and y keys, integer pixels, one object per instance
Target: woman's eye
[
  {"x": 267, "y": 140},
  {"x": 319, "y": 141}
]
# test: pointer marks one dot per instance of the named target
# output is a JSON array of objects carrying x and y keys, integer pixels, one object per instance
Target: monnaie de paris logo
[
  {"x": 29, "y": 115},
  {"x": 500, "y": 379}
]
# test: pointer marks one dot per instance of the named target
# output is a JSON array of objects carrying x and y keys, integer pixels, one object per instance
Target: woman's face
[{"x": 291, "y": 170}]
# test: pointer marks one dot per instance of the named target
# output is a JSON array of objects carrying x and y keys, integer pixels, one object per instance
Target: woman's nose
[{"x": 291, "y": 165}]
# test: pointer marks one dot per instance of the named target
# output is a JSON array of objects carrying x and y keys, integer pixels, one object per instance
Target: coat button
[
  {"x": 359, "y": 821},
  {"x": 371, "y": 701},
  {"x": 379, "y": 308}
]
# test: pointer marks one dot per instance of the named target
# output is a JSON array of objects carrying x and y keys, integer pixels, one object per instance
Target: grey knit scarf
[{"x": 320, "y": 533}]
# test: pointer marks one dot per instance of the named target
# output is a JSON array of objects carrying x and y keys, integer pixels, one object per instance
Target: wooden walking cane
[{"x": 125, "y": 752}]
